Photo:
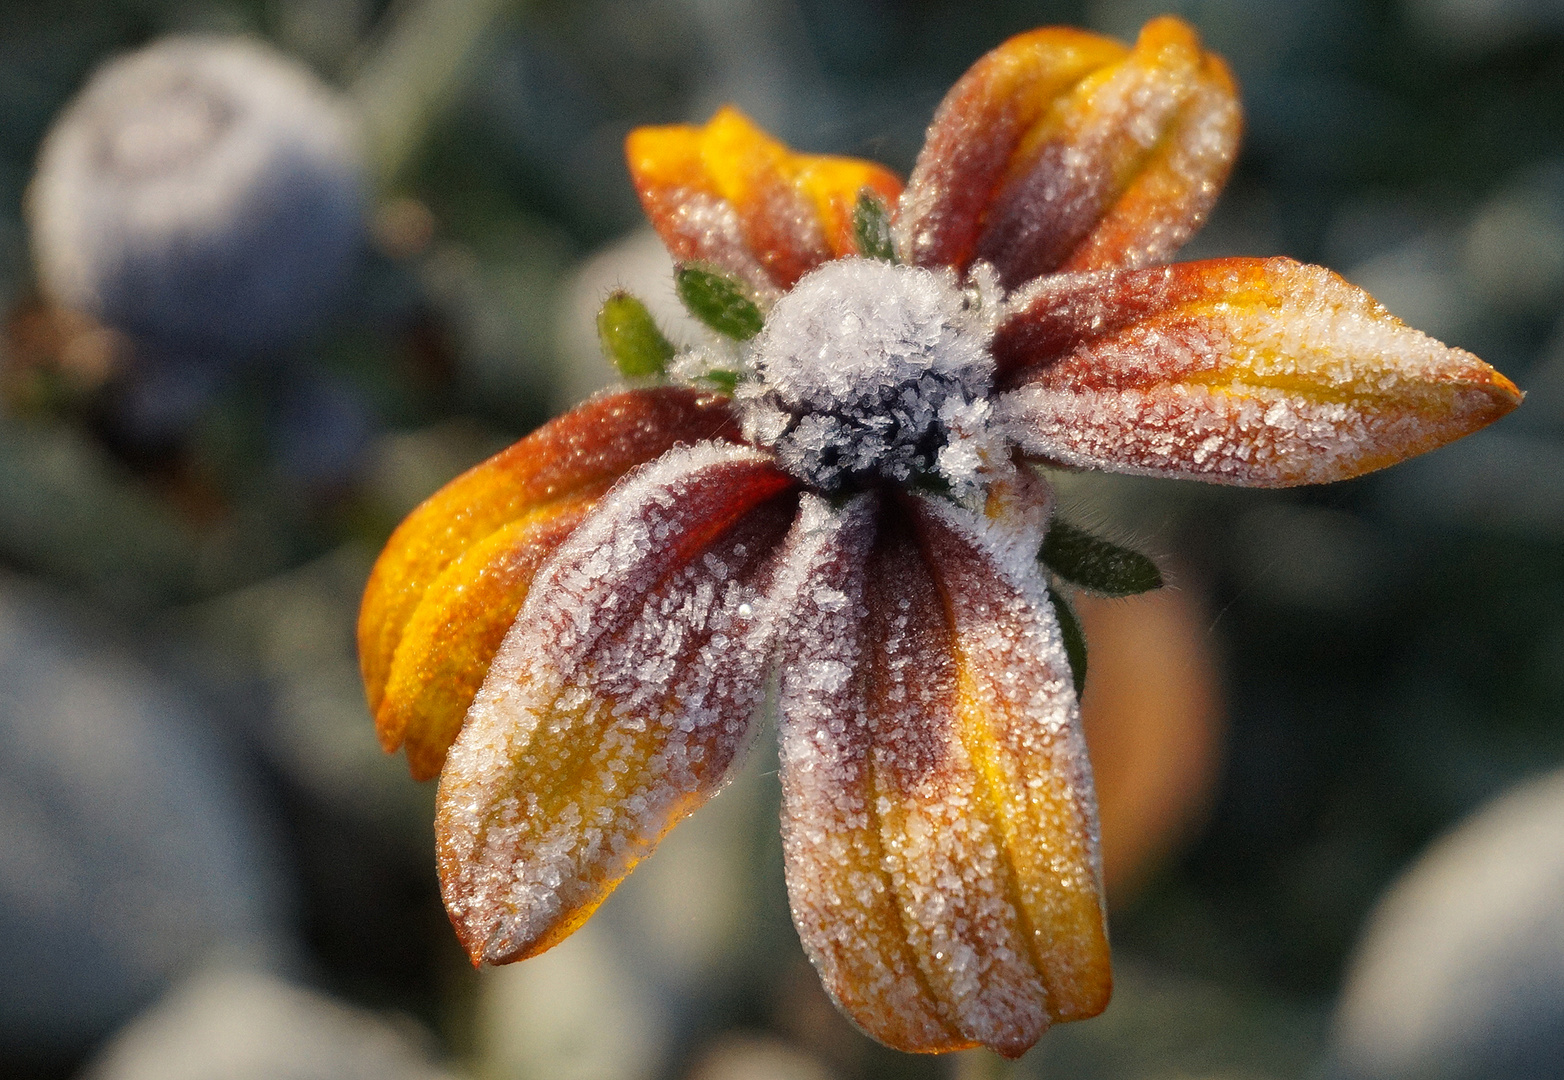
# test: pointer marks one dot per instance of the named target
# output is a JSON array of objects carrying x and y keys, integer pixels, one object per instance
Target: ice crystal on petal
[{"x": 868, "y": 371}]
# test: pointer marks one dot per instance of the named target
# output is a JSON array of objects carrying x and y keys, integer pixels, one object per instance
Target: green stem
[{"x": 422, "y": 50}]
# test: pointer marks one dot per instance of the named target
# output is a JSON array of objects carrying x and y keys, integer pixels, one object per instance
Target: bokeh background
[{"x": 208, "y": 868}]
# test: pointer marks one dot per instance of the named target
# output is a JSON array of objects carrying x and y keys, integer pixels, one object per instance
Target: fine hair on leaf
[
  {"x": 1074, "y": 638},
  {"x": 630, "y": 338},
  {"x": 1095, "y": 564},
  {"x": 872, "y": 228},
  {"x": 718, "y": 301}
]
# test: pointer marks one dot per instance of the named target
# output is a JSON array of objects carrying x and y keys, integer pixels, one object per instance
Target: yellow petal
[
  {"x": 729, "y": 194},
  {"x": 452, "y": 636}
]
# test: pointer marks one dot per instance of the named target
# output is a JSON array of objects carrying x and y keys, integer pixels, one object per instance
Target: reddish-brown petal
[
  {"x": 941, "y": 834},
  {"x": 1260, "y": 372},
  {"x": 1064, "y": 149},
  {"x": 1174, "y": 186},
  {"x": 617, "y": 702},
  {"x": 847, "y": 916},
  {"x": 729, "y": 194},
  {"x": 575, "y": 457}
]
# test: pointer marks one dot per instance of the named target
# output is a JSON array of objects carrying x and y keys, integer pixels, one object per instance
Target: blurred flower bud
[{"x": 203, "y": 193}]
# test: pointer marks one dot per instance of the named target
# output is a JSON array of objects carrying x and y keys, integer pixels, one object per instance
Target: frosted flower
[
  {"x": 204, "y": 193},
  {"x": 577, "y": 633}
]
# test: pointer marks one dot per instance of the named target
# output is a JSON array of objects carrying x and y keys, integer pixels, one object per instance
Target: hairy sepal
[
  {"x": 939, "y": 823},
  {"x": 573, "y": 458},
  {"x": 1095, "y": 564},
  {"x": 1260, "y": 372},
  {"x": 1064, "y": 149},
  {"x": 730, "y": 195},
  {"x": 618, "y": 701},
  {"x": 631, "y": 339}
]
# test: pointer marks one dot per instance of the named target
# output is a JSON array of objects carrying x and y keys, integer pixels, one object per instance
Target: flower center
[{"x": 870, "y": 372}]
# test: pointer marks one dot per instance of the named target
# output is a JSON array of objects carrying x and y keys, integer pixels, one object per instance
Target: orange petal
[
  {"x": 833, "y": 185},
  {"x": 729, "y": 194},
  {"x": 448, "y": 643},
  {"x": 1062, "y": 148},
  {"x": 938, "y": 817},
  {"x": 617, "y": 702},
  {"x": 579, "y": 455},
  {"x": 1260, "y": 372}
]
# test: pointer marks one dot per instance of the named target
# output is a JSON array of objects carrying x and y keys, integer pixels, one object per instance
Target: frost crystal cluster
[{"x": 868, "y": 371}]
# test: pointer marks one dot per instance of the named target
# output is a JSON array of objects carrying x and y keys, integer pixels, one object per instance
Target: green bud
[
  {"x": 719, "y": 302},
  {"x": 630, "y": 337},
  {"x": 872, "y": 228},
  {"x": 1074, "y": 639},
  {"x": 1095, "y": 564}
]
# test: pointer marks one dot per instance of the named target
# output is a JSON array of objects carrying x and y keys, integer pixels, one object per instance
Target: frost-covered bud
[
  {"x": 203, "y": 193},
  {"x": 869, "y": 371}
]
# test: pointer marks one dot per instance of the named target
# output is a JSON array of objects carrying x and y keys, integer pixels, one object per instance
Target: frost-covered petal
[
  {"x": 618, "y": 700},
  {"x": 1260, "y": 372},
  {"x": 575, "y": 457},
  {"x": 1062, "y": 149},
  {"x": 730, "y": 195},
  {"x": 941, "y": 836},
  {"x": 847, "y": 916},
  {"x": 452, "y": 635}
]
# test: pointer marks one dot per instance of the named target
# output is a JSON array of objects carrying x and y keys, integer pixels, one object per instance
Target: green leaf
[
  {"x": 872, "y": 228},
  {"x": 723, "y": 379},
  {"x": 630, "y": 337},
  {"x": 719, "y": 302},
  {"x": 1074, "y": 639},
  {"x": 1095, "y": 564}
]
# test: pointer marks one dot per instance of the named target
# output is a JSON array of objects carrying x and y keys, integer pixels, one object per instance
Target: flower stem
[{"x": 419, "y": 55}]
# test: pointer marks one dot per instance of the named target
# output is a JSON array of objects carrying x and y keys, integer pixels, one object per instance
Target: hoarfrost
[{"x": 868, "y": 371}]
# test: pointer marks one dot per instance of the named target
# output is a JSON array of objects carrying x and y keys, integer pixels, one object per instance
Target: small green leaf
[
  {"x": 724, "y": 380},
  {"x": 1095, "y": 564},
  {"x": 630, "y": 337},
  {"x": 719, "y": 302},
  {"x": 1074, "y": 639},
  {"x": 872, "y": 228}
]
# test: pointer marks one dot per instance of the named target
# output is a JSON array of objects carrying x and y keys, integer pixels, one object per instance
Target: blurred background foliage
[{"x": 197, "y": 821}]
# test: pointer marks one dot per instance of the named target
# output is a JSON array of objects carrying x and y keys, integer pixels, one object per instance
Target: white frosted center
[{"x": 869, "y": 371}]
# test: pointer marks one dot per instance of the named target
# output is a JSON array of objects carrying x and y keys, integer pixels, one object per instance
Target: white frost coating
[
  {"x": 869, "y": 371},
  {"x": 698, "y": 362},
  {"x": 628, "y": 669}
]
